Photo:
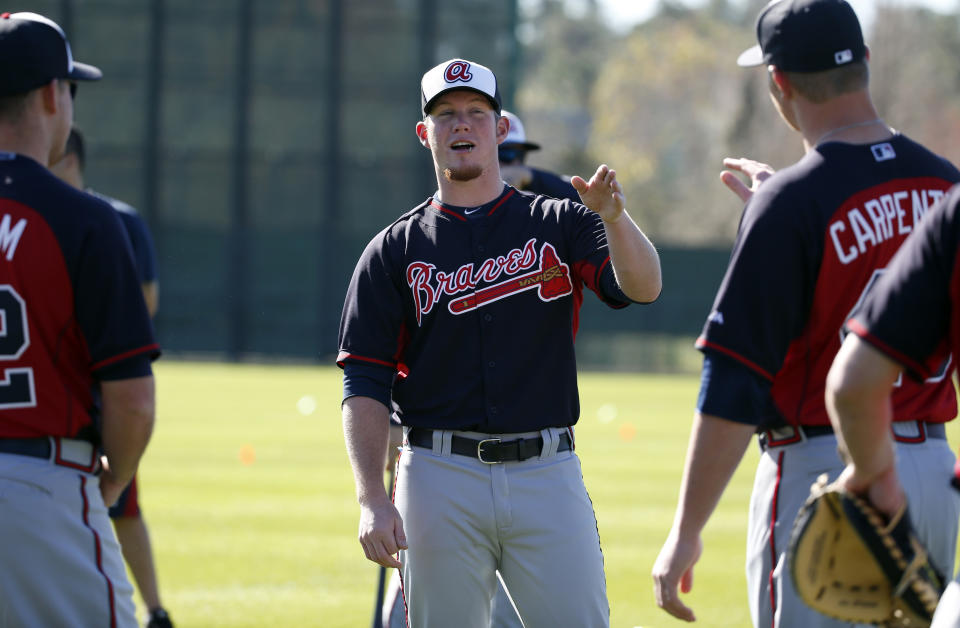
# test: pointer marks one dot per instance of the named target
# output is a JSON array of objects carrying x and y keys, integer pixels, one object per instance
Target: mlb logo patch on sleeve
[{"x": 883, "y": 152}]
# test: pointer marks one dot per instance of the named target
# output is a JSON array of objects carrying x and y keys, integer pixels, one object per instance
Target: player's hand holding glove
[{"x": 847, "y": 561}]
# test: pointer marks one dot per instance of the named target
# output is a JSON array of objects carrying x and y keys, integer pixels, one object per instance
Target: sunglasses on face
[
  {"x": 510, "y": 155},
  {"x": 72, "y": 86}
]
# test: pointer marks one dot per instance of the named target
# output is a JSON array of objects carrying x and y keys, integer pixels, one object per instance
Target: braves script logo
[
  {"x": 458, "y": 71},
  {"x": 550, "y": 277}
]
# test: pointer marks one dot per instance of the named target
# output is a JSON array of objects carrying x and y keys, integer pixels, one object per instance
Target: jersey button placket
[{"x": 486, "y": 339}]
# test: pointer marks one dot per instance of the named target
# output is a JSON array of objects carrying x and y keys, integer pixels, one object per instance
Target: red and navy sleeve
[
  {"x": 372, "y": 330},
  {"x": 591, "y": 257},
  {"x": 911, "y": 312},
  {"x": 731, "y": 390},
  {"x": 766, "y": 293}
]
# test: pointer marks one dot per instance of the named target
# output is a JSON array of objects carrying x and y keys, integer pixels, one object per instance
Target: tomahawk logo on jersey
[
  {"x": 482, "y": 294},
  {"x": 551, "y": 277}
]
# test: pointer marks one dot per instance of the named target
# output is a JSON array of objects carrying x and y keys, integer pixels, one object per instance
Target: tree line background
[
  {"x": 266, "y": 142},
  {"x": 666, "y": 102}
]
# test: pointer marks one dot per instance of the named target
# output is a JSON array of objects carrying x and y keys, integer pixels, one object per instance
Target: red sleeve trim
[
  {"x": 614, "y": 305},
  {"x": 596, "y": 277},
  {"x": 124, "y": 356},
  {"x": 703, "y": 343},
  {"x": 343, "y": 356},
  {"x": 860, "y": 330}
]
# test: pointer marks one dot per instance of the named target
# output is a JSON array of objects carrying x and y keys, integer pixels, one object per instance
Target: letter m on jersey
[{"x": 9, "y": 238}]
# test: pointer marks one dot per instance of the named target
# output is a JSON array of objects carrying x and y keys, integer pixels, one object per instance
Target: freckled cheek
[
  {"x": 433, "y": 137},
  {"x": 439, "y": 133}
]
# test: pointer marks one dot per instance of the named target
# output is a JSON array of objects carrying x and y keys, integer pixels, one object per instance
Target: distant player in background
[
  {"x": 71, "y": 169},
  {"x": 812, "y": 240},
  {"x": 76, "y": 352},
  {"x": 128, "y": 521},
  {"x": 514, "y": 170}
]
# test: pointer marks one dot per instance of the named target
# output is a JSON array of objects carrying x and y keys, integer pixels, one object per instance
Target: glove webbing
[{"x": 926, "y": 595}]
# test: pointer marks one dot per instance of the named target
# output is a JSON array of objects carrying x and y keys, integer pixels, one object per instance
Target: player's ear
[
  {"x": 68, "y": 161},
  {"x": 422, "y": 134},
  {"x": 778, "y": 78},
  {"x": 866, "y": 55},
  {"x": 48, "y": 96},
  {"x": 503, "y": 127}
]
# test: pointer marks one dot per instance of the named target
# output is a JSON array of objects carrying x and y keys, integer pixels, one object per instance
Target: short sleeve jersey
[
  {"x": 811, "y": 242},
  {"x": 144, "y": 251},
  {"x": 911, "y": 314},
  {"x": 72, "y": 309},
  {"x": 477, "y": 315}
]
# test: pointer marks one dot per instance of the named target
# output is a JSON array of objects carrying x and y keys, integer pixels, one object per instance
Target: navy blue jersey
[
  {"x": 477, "y": 316},
  {"x": 911, "y": 314},
  {"x": 72, "y": 306},
  {"x": 144, "y": 252},
  {"x": 811, "y": 241}
]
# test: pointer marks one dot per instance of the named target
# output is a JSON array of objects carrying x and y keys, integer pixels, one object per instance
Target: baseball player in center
[{"x": 460, "y": 320}]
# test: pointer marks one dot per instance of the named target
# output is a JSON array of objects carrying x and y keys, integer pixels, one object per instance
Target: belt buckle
[{"x": 480, "y": 450}]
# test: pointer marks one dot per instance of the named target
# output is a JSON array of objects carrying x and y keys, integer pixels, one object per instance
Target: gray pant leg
[
  {"x": 551, "y": 562},
  {"x": 502, "y": 613},
  {"x": 449, "y": 570},
  {"x": 925, "y": 470},
  {"x": 786, "y": 480},
  {"x": 394, "y": 612},
  {"x": 782, "y": 483},
  {"x": 61, "y": 560}
]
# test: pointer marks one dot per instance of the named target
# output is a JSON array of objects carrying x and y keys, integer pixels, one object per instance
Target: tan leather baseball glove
[{"x": 847, "y": 561}]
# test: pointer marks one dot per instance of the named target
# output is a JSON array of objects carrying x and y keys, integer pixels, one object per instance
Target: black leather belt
[
  {"x": 33, "y": 447},
  {"x": 489, "y": 450},
  {"x": 789, "y": 434}
]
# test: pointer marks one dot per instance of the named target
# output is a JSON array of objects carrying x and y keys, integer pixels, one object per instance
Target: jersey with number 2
[{"x": 71, "y": 308}]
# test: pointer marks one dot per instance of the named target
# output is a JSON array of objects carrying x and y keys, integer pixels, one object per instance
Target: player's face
[{"x": 462, "y": 131}]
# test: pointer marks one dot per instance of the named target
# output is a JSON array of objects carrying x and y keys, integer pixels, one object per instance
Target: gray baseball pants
[{"x": 532, "y": 520}]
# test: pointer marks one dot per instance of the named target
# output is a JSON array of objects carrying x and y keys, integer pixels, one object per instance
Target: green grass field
[{"x": 249, "y": 497}]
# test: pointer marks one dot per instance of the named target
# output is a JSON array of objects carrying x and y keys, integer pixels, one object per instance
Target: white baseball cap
[
  {"x": 459, "y": 74},
  {"x": 516, "y": 135}
]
